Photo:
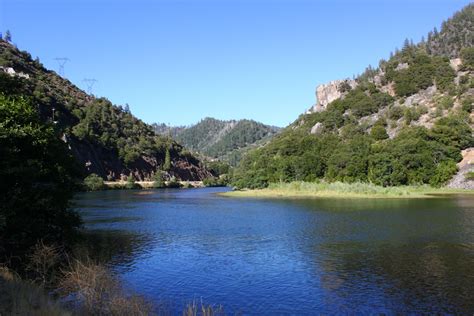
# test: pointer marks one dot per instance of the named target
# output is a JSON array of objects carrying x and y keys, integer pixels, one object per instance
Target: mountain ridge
[
  {"x": 227, "y": 140},
  {"x": 104, "y": 138}
]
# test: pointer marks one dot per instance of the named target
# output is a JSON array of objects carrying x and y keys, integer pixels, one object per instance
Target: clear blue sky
[{"x": 179, "y": 61}]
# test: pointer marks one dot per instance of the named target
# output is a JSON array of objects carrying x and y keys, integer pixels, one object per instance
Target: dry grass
[
  {"x": 99, "y": 292},
  {"x": 43, "y": 263},
  {"x": 200, "y": 309},
  {"x": 18, "y": 297}
]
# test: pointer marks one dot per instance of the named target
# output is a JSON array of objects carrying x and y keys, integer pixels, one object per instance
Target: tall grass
[
  {"x": 343, "y": 190},
  {"x": 97, "y": 291},
  {"x": 19, "y": 297},
  {"x": 201, "y": 309}
]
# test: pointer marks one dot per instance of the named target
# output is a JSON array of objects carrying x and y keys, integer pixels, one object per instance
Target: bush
[
  {"x": 130, "y": 184},
  {"x": 100, "y": 291},
  {"x": 216, "y": 181},
  {"x": 158, "y": 181},
  {"x": 467, "y": 57},
  {"x": 445, "y": 102},
  {"x": 395, "y": 112},
  {"x": 444, "y": 172},
  {"x": 467, "y": 104},
  {"x": 378, "y": 132},
  {"x": 173, "y": 183},
  {"x": 470, "y": 176},
  {"x": 94, "y": 183}
]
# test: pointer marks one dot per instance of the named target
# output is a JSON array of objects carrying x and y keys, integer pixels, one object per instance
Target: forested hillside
[
  {"x": 405, "y": 122},
  {"x": 226, "y": 140},
  {"x": 104, "y": 138}
]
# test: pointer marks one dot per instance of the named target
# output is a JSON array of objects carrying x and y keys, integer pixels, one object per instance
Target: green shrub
[
  {"x": 444, "y": 172},
  {"x": 94, "y": 183},
  {"x": 216, "y": 181},
  {"x": 470, "y": 176},
  {"x": 173, "y": 183},
  {"x": 467, "y": 104},
  {"x": 378, "y": 132},
  {"x": 445, "y": 102},
  {"x": 467, "y": 57},
  {"x": 131, "y": 184},
  {"x": 158, "y": 180},
  {"x": 395, "y": 112}
]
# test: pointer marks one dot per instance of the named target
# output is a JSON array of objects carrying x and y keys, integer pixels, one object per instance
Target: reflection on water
[{"x": 288, "y": 256}]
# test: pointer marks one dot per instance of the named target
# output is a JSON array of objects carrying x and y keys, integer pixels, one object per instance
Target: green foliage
[
  {"x": 158, "y": 180},
  {"x": 467, "y": 104},
  {"x": 467, "y": 57},
  {"x": 218, "y": 167},
  {"x": 131, "y": 184},
  {"x": 378, "y": 132},
  {"x": 223, "y": 139},
  {"x": 173, "y": 183},
  {"x": 444, "y": 172},
  {"x": 422, "y": 72},
  {"x": 454, "y": 131},
  {"x": 216, "y": 181},
  {"x": 470, "y": 176},
  {"x": 94, "y": 183},
  {"x": 167, "y": 163},
  {"x": 414, "y": 113},
  {"x": 37, "y": 176},
  {"x": 456, "y": 33},
  {"x": 395, "y": 112},
  {"x": 445, "y": 102},
  {"x": 349, "y": 160},
  {"x": 116, "y": 129}
]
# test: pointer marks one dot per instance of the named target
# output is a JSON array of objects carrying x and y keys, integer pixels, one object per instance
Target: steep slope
[
  {"x": 104, "y": 138},
  {"x": 405, "y": 122},
  {"x": 225, "y": 140},
  {"x": 455, "y": 34}
]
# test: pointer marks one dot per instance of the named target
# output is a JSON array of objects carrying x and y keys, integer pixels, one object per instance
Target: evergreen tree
[{"x": 167, "y": 164}]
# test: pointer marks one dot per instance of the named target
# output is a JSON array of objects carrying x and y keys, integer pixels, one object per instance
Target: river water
[{"x": 287, "y": 256}]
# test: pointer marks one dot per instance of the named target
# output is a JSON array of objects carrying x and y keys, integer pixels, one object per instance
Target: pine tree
[{"x": 167, "y": 164}]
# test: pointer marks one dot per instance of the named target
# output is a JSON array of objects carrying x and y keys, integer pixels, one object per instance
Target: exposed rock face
[
  {"x": 326, "y": 93},
  {"x": 455, "y": 63},
  {"x": 12, "y": 72},
  {"x": 423, "y": 97},
  {"x": 99, "y": 160},
  {"x": 317, "y": 128},
  {"x": 466, "y": 165},
  {"x": 402, "y": 66}
]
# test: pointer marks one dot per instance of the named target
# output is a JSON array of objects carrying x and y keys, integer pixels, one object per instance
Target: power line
[
  {"x": 90, "y": 83},
  {"x": 61, "y": 62}
]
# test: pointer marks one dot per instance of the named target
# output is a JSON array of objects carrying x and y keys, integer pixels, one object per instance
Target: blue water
[{"x": 287, "y": 257}]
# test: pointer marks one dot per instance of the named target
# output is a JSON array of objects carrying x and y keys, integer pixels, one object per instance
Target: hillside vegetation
[
  {"x": 225, "y": 140},
  {"x": 404, "y": 123},
  {"x": 104, "y": 138}
]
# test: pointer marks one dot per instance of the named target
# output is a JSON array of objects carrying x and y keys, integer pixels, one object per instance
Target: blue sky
[{"x": 179, "y": 61}]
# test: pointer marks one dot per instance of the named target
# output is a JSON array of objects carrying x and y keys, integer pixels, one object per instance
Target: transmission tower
[
  {"x": 90, "y": 83},
  {"x": 61, "y": 62}
]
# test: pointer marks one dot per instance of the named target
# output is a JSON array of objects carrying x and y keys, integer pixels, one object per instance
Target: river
[{"x": 284, "y": 256}]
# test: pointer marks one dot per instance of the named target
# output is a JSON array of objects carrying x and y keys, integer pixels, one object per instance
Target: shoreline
[
  {"x": 119, "y": 185},
  {"x": 345, "y": 191}
]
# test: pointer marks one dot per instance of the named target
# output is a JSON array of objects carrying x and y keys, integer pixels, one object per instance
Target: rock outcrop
[
  {"x": 466, "y": 165},
  {"x": 333, "y": 90}
]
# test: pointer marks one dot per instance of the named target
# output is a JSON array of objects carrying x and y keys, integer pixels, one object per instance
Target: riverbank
[
  {"x": 344, "y": 190},
  {"x": 117, "y": 185}
]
